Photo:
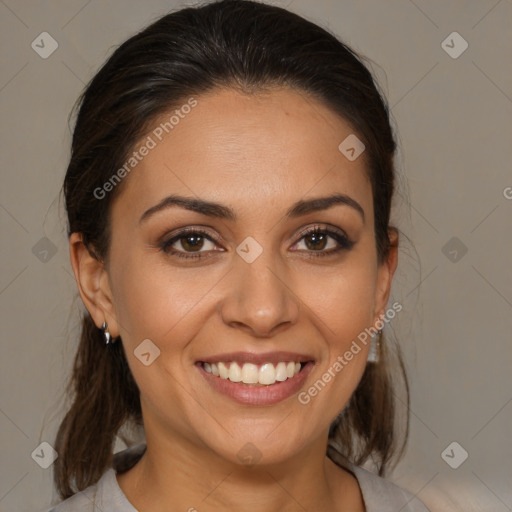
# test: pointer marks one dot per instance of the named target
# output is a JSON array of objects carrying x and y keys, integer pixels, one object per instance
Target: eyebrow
[{"x": 217, "y": 210}]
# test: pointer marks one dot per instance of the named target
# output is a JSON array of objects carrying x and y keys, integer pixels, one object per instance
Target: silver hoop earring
[
  {"x": 374, "y": 353},
  {"x": 106, "y": 333}
]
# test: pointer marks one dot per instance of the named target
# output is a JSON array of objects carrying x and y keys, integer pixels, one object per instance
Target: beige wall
[{"x": 454, "y": 117}]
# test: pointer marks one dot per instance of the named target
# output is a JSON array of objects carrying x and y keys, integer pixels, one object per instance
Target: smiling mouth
[{"x": 251, "y": 374}]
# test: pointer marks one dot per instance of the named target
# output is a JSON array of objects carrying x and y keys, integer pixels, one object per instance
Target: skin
[{"x": 257, "y": 154}]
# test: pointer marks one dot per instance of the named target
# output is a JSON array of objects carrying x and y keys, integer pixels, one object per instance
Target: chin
[{"x": 257, "y": 446}]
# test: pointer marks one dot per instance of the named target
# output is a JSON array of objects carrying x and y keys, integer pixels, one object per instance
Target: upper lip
[{"x": 258, "y": 359}]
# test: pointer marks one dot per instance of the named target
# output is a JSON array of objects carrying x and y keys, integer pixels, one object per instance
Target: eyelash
[{"x": 344, "y": 242}]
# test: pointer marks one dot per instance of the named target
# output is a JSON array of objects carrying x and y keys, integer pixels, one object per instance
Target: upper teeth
[{"x": 250, "y": 373}]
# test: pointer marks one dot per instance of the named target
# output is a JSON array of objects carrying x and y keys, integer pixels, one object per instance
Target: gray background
[{"x": 455, "y": 126}]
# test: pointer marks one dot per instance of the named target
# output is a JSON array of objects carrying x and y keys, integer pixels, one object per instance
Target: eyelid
[
  {"x": 202, "y": 231},
  {"x": 323, "y": 227},
  {"x": 337, "y": 234}
]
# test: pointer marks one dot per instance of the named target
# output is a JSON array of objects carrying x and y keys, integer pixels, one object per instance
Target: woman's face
[{"x": 256, "y": 288}]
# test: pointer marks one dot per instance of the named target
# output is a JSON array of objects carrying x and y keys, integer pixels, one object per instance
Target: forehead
[{"x": 256, "y": 149}]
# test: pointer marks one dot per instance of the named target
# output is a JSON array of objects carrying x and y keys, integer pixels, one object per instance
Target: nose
[{"x": 260, "y": 300}]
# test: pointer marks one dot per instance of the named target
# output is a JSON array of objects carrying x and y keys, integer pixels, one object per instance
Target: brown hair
[{"x": 229, "y": 43}]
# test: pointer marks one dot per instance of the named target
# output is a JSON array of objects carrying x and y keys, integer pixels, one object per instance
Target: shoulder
[
  {"x": 80, "y": 502},
  {"x": 102, "y": 496},
  {"x": 381, "y": 495}
]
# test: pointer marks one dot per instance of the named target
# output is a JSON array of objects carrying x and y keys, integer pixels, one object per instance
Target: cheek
[
  {"x": 150, "y": 296},
  {"x": 166, "y": 305},
  {"x": 160, "y": 301},
  {"x": 344, "y": 299},
  {"x": 343, "y": 306}
]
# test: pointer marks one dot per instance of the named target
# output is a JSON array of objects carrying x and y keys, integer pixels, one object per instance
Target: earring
[
  {"x": 374, "y": 353},
  {"x": 106, "y": 334}
]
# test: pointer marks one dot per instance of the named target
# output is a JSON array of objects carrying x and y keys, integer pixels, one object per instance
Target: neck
[{"x": 191, "y": 478}]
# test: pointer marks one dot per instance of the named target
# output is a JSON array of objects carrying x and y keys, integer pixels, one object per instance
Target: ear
[
  {"x": 93, "y": 284},
  {"x": 385, "y": 275}
]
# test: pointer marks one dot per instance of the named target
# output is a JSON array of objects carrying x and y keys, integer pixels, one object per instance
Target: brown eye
[
  {"x": 191, "y": 241},
  {"x": 317, "y": 238}
]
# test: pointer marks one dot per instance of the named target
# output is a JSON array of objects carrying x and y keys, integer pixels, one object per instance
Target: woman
[{"x": 228, "y": 198}]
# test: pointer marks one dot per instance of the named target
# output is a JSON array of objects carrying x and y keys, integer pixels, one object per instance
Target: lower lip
[{"x": 257, "y": 395}]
